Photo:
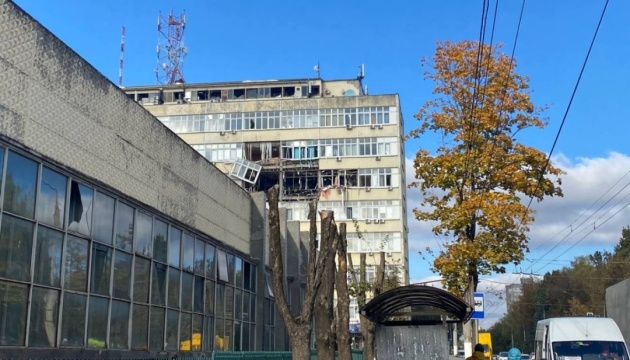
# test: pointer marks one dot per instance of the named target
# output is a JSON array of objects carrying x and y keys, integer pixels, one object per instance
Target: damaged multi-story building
[{"x": 313, "y": 137}]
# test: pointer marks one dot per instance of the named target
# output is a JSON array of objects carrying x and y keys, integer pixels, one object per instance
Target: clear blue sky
[{"x": 246, "y": 40}]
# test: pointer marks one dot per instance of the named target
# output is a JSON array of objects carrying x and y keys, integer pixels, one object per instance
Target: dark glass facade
[{"x": 82, "y": 268}]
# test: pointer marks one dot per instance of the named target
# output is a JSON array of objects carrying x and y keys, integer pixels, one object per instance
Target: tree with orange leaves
[{"x": 476, "y": 182}]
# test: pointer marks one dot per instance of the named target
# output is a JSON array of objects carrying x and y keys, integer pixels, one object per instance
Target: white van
[{"x": 579, "y": 338}]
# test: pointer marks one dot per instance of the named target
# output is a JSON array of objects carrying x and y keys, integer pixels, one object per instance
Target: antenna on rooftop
[
  {"x": 361, "y": 72},
  {"x": 122, "y": 53},
  {"x": 317, "y": 70},
  {"x": 170, "y": 49}
]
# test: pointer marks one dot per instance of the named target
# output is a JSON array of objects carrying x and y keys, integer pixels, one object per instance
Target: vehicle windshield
[{"x": 589, "y": 350}]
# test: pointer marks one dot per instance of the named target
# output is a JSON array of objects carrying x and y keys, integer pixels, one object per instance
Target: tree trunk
[
  {"x": 323, "y": 311},
  {"x": 343, "y": 299},
  {"x": 300, "y": 344},
  {"x": 298, "y": 328}
]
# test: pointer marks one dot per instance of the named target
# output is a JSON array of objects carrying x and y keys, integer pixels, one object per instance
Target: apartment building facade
[{"x": 315, "y": 138}]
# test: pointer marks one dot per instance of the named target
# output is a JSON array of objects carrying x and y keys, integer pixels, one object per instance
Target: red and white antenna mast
[
  {"x": 170, "y": 49},
  {"x": 122, "y": 53}
]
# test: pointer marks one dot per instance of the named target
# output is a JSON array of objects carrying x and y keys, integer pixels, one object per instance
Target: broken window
[
  {"x": 288, "y": 91},
  {"x": 300, "y": 182},
  {"x": 202, "y": 95},
  {"x": 314, "y": 90},
  {"x": 267, "y": 180},
  {"x": 236, "y": 94},
  {"x": 329, "y": 178},
  {"x": 246, "y": 170},
  {"x": 143, "y": 97},
  {"x": 215, "y": 95},
  {"x": 276, "y": 92},
  {"x": 262, "y": 151},
  {"x": 348, "y": 178},
  {"x": 178, "y": 95}
]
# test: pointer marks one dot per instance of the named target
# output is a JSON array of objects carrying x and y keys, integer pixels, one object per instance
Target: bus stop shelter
[{"x": 412, "y": 321}]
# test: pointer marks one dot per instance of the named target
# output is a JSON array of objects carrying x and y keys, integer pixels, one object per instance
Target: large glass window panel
[
  {"x": 210, "y": 266},
  {"x": 245, "y": 312},
  {"x": 252, "y": 307},
  {"x": 209, "y": 297},
  {"x": 122, "y": 275},
  {"x": 172, "y": 330},
  {"x": 197, "y": 332},
  {"x": 19, "y": 194},
  {"x": 142, "y": 235},
  {"x": 188, "y": 252},
  {"x": 142, "y": 270},
  {"x": 101, "y": 269},
  {"x": 124, "y": 226},
  {"x": 187, "y": 291},
  {"x": 237, "y": 336},
  {"x": 16, "y": 241},
  {"x": 139, "y": 332},
  {"x": 156, "y": 337},
  {"x": 75, "y": 277},
  {"x": 220, "y": 300},
  {"x": 238, "y": 304},
  {"x": 222, "y": 266},
  {"x": 200, "y": 251},
  {"x": 230, "y": 268},
  {"x": 209, "y": 333},
  {"x": 198, "y": 295},
  {"x": 44, "y": 314},
  {"x": 13, "y": 301},
  {"x": 97, "y": 322},
  {"x": 51, "y": 203},
  {"x": 245, "y": 338},
  {"x": 119, "y": 325},
  {"x": 80, "y": 211},
  {"x": 246, "y": 276},
  {"x": 238, "y": 272},
  {"x": 160, "y": 244},
  {"x": 229, "y": 331},
  {"x": 174, "y": 246},
  {"x": 185, "y": 334},
  {"x": 158, "y": 288},
  {"x": 229, "y": 302},
  {"x": 73, "y": 320},
  {"x": 48, "y": 257},
  {"x": 219, "y": 334},
  {"x": 103, "y": 228},
  {"x": 173, "y": 287}
]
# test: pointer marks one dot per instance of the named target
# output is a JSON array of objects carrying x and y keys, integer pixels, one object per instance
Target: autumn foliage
[{"x": 476, "y": 182}]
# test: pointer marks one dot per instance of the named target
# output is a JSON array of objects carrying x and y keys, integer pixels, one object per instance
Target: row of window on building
[
  {"x": 349, "y": 210},
  {"x": 305, "y": 149},
  {"x": 285, "y": 119},
  {"x": 81, "y": 268}
]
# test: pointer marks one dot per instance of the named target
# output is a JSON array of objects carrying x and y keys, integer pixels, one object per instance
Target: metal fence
[{"x": 267, "y": 355}]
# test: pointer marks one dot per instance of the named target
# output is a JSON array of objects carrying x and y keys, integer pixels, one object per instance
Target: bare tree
[
  {"x": 343, "y": 297},
  {"x": 299, "y": 328},
  {"x": 361, "y": 289},
  {"x": 323, "y": 311}
]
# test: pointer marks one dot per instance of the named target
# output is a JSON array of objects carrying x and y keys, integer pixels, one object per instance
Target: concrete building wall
[
  {"x": 618, "y": 307},
  {"x": 56, "y": 104}
]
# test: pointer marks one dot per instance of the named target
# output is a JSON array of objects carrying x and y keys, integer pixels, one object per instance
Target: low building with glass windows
[
  {"x": 313, "y": 137},
  {"x": 117, "y": 239}
]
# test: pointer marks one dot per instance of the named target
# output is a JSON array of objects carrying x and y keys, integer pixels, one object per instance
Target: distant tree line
[{"x": 576, "y": 289}]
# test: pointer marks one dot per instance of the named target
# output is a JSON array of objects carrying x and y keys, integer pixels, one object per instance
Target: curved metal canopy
[{"x": 391, "y": 302}]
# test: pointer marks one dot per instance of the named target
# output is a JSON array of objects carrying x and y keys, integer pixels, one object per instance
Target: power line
[
  {"x": 570, "y": 226},
  {"x": 566, "y": 113}
]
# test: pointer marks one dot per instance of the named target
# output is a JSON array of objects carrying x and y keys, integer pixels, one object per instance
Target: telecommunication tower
[{"x": 170, "y": 49}]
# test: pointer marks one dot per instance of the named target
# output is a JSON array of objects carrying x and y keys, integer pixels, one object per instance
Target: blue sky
[{"x": 247, "y": 40}]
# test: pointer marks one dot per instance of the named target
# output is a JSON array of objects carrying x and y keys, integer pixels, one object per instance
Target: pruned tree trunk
[
  {"x": 368, "y": 328},
  {"x": 323, "y": 312},
  {"x": 298, "y": 328},
  {"x": 343, "y": 298}
]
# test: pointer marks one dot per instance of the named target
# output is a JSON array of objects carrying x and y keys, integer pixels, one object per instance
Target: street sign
[{"x": 478, "y": 299}]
